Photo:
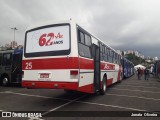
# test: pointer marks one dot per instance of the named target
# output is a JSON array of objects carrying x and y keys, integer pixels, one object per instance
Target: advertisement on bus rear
[{"x": 48, "y": 39}]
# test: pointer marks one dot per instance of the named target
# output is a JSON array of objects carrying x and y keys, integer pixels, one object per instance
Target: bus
[
  {"x": 10, "y": 66},
  {"x": 63, "y": 55},
  {"x": 128, "y": 68}
]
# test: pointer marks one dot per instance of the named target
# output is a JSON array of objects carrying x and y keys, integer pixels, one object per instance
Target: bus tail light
[{"x": 74, "y": 74}]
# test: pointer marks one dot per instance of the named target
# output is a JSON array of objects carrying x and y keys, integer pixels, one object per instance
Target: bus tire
[
  {"x": 5, "y": 81},
  {"x": 104, "y": 86}
]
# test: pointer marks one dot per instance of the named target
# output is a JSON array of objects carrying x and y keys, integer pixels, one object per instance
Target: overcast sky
[{"x": 122, "y": 24}]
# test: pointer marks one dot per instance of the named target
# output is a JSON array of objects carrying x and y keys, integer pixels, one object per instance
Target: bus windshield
[{"x": 47, "y": 41}]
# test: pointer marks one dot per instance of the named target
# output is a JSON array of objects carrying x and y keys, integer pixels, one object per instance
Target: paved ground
[{"x": 129, "y": 95}]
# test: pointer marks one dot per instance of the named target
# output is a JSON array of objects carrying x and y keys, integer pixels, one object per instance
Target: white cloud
[{"x": 120, "y": 23}]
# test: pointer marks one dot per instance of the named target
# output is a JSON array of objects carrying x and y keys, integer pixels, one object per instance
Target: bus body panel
[
  {"x": 58, "y": 67},
  {"x": 70, "y": 71},
  {"x": 128, "y": 68},
  {"x": 86, "y": 75}
]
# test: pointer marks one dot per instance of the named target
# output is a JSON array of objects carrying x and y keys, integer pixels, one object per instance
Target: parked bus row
[
  {"x": 15, "y": 59},
  {"x": 63, "y": 55}
]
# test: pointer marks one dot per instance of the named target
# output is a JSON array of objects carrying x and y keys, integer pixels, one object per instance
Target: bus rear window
[{"x": 48, "y": 41}]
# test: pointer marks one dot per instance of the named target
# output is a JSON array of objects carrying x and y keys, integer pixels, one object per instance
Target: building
[
  {"x": 155, "y": 58},
  {"x": 136, "y": 53},
  {"x": 14, "y": 44},
  {"x": 130, "y": 52}
]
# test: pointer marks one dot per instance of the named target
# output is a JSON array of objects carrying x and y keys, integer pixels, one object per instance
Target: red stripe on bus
[
  {"x": 51, "y": 63},
  {"x": 86, "y": 88},
  {"x": 63, "y": 63},
  {"x": 86, "y": 63},
  {"x": 109, "y": 82}
]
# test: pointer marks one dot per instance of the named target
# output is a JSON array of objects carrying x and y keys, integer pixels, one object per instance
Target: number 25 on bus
[{"x": 63, "y": 55}]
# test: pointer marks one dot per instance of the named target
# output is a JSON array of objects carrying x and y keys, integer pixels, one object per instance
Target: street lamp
[{"x": 14, "y": 29}]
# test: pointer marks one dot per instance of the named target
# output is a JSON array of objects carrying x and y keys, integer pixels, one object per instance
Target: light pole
[
  {"x": 14, "y": 29},
  {"x": 12, "y": 43}
]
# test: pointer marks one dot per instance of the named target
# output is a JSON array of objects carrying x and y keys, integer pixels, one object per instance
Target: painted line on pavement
[
  {"x": 75, "y": 100},
  {"x": 113, "y": 106},
  {"x": 139, "y": 86},
  {"x": 132, "y": 90},
  {"x": 148, "y": 84},
  {"x": 64, "y": 105},
  {"x": 29, "y": 95},
  {"x": 141, "y": 82},
  {"x": 133, "y": 97}
]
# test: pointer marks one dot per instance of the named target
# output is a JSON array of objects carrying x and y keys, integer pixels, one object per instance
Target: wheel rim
[{"x": 5, "y": 81}]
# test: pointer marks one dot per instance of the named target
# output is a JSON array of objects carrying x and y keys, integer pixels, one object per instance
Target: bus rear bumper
[{"x": 50, "y": 85}]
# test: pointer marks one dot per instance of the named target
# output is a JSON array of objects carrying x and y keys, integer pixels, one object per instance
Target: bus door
[
  {"x": 96, "y": 58},
  {"x": 17, "y": 68},
  {"x": 6, "y": 63}
]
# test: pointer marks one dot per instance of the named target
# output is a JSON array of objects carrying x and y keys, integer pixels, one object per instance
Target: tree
[{"x": 134, "y": 59}]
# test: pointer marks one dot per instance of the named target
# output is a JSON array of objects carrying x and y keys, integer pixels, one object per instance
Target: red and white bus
[{"x": 63, "y": 55}]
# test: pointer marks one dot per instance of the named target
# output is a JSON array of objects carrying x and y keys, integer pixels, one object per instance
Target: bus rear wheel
[
  {"x": 5, "y": 81},
  {"x": 104, "y": 87}
]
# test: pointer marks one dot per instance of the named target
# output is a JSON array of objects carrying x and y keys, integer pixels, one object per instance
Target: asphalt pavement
[{"x": 131, "y": 96}]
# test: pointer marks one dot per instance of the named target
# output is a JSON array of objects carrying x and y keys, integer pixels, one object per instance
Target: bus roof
[
  {"x": 15, "y": 51},
  {"x": 7, "y": 51}
]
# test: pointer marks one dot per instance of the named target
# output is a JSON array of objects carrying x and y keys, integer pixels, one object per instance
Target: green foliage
[{"x": 134, "y": 59}]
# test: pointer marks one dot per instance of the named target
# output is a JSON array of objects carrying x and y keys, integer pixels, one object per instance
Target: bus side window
[
  {"x": 88, "y": 41},
  {"x": 84, "y": 44},
  {"x": 116, "y": 58},
  {"x": 84, "y": 50},
  {"x": 109, "y": 56},
  {"x": 7, "y": 59},
  {"x": 101, "y": 51},
  {"x": 112, "y": 57},
  {"x": 81, "y": 38},
  {"x": 105, "y": 53}
]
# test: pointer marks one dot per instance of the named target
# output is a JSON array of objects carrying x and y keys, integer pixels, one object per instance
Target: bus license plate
[{"x": 44, "y": 75}]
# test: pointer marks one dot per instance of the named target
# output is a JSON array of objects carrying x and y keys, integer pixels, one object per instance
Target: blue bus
[
  {"x": 10, "y": 66},
  {"x": 128, "y": 68}
]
